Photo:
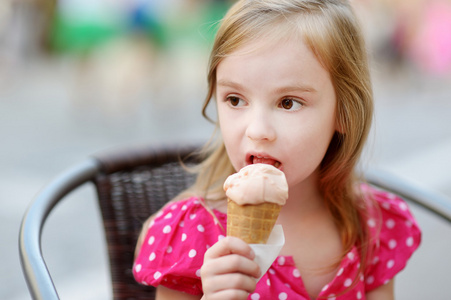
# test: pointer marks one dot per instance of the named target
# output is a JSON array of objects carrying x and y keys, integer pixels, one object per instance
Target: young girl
[{"x": 291, "y": 84}]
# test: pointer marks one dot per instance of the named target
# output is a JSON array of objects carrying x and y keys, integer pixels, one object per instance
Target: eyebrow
[
  {"x": 296, "y": 88},
  {"x": 228, "y": 83},
  {"x": 281, "y": 90}
]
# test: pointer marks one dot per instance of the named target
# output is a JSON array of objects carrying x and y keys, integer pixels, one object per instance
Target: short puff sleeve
[
  {"x": 173, "y": 249},
  {"x": 395, "y": 236}
]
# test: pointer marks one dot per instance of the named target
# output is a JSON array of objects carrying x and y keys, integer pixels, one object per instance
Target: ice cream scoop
[{"x": 255, "y": 196}]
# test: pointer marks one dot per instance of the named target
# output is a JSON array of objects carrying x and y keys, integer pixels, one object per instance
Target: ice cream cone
[{"x": 252, "y": 223}]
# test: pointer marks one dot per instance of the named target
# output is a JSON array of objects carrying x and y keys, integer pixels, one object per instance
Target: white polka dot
[
  {"x": 351, "y": 256},
  {"x": 386, "y": 205},
  {"x": 184, "y": 207},
  {"x": 198, "y": 273},
  {"x": 288, "y": 285},
  {"x": 271, "y": 271},
  {"x": 169, "y": 249},
  {"x": 184, "y": 237},
  {"x": 409, "y": 241},
  {"x": 151, "y": 223},
  {"x": 281, "y": 261},
  {"x": 200, "y": 228},
  {"x": 390, "y": 223},
  {"x": 402, "y": 206},
  {"x": 182, "y": 223},
  {"x": 283, "y": 296},
  {"x": 340, "y": 272},
  {"x": 255, "y": 296},
  {"x": 156, "y": 275},
  {"x": 159, "y": 214},
  {"x": 174, "y": 206},
  {"x": 348, "y": 282},
  {"x": 390, "y": 263},
  {"x": 331, "y": 297},
  {"x": 296, "y": 273},
  {"x": 325, "y": 288},
  {"x": 392, "y": 244},
  {"x": 359, "y": 295},
  {"x": 168, "y": 216},
  {"x": 152, "y": 256},
  {"x": 371, "y": 223},
  {"x": 375, "y": 260},
  {"x": 409, "y": 223},
  {"x": 391, "y": 196},
  {"x": 192, "y": 253},
  {"x": 192, "y": 216},
  {"x": 268, "y": 282},
  {"x": 167, "y": 229},
  {"x": 370, "y": 280},
  {"x": 151, "y": 240},
  {"x": 138, "y": 268},
  {"x": 220, "y": 237}
]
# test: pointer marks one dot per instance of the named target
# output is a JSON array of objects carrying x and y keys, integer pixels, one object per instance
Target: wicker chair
[{"x": 132, "y": 185}]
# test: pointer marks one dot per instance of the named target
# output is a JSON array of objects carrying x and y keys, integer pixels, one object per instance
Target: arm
[{"x": 384, "y": 292}]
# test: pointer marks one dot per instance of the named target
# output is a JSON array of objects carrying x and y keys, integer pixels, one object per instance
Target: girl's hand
[{"x": 229, "y": 270}]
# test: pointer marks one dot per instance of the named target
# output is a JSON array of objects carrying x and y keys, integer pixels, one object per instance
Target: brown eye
[
  {"x": 234, "y": 101},
  {"x": 287, "y": 103}
]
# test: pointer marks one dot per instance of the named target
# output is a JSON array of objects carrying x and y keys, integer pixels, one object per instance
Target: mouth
[{"x": 263, "y": 159}]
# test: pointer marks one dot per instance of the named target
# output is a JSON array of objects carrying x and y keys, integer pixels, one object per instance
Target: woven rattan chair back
[{"x": 131, "y": 187}]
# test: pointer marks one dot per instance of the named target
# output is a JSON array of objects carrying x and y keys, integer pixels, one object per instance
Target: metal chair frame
[{"x": 37, "y": 275}]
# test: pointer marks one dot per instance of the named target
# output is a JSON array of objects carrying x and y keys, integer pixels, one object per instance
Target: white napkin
[{"x": 265, "y": 254}]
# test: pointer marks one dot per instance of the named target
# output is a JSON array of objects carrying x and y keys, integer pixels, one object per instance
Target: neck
[{"x": 304, "y": 200}]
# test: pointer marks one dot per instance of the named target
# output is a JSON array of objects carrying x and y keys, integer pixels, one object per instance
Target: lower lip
[{"x": 268, "y": 161}]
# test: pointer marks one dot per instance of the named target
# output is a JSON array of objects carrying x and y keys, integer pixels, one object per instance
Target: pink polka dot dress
[{"x": 173, "y": 250}]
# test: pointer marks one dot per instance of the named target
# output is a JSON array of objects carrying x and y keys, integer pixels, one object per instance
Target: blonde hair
[{"x": 330, "y": 30}]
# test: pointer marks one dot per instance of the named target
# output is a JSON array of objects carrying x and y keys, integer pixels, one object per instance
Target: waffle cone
[{"x": 251, "y": 223}]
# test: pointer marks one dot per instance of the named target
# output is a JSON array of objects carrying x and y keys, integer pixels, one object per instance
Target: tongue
[{"x": 268, "y": 161}]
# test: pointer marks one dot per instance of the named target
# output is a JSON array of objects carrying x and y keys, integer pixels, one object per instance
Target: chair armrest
[
  {"x": 433, "y": 201},
  {"x": 37, "y": 276}
]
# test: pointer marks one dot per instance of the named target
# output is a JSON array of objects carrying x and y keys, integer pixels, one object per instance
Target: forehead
[{"x": 269, "y": 66}]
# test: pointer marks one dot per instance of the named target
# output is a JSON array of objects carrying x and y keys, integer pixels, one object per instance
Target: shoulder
[
  {"x": 173, "y": 247},
  {"x": 387, "y": 210},
  {"x": 394, "y": 235}
]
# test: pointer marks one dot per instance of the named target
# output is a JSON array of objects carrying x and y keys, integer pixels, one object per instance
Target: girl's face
[{"x": 276, "y": 105}]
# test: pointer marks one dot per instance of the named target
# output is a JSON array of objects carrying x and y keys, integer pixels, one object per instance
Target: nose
[{"x": 261, "y": 127}]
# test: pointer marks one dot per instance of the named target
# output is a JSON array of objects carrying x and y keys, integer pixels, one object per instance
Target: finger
[
  {"x": 232, "y": 263},
  {"x": 230, "y": 245},
  {"x": 233, "y": 281},
  {"x": 229, "y": 294}
]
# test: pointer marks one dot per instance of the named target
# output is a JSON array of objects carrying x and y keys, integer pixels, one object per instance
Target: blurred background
[{"x": 81, "y": 76}]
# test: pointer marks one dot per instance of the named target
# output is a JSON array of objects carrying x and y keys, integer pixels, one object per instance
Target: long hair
[{"x": 331, "y": 31}]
